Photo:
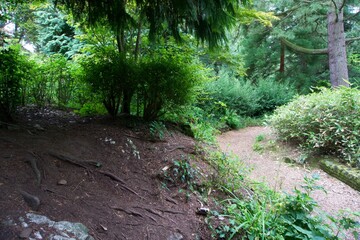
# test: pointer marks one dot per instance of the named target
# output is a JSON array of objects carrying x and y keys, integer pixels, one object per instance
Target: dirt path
[{"x": 270, "y": 167}]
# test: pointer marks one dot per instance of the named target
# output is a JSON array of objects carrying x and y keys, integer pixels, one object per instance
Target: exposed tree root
[
  {"x": 67, "y": 159},
  {"x": 169, "y": 199},
  {"x": 176, "y": 148},
  {"x": 128, "y": 211},
  {"x": 79, "y": 163},
  {"x": 33, "y": 162},
  {"x": 115, "y": 178}
]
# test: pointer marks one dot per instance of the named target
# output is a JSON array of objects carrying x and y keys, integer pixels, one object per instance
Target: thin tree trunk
[
  {"x": 337, "y": 49},
  {"x": 138, "y": 39},
  {"x": 282, "y": 58}
]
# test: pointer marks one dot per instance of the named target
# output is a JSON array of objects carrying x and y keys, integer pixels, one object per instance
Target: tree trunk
[
  {"x": 282, "y": 58},
  {"x": 336, "y": 48},
  {"x": 126, "y": 104}
]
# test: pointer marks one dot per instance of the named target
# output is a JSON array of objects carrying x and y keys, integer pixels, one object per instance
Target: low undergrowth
[
  {"x": 324, "y": 122},
  {"x": 253, "y": 211}
]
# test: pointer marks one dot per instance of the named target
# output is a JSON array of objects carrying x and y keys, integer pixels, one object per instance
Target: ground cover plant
[
  {"x": 253, "y": 211},
  {"x": 324, "y": 122}
]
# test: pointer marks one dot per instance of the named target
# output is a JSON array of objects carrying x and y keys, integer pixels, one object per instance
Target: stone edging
[{"x": 348, "y": 175}]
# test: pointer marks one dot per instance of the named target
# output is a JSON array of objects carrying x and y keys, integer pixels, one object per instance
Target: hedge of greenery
[{"x": 326, "y": 122}]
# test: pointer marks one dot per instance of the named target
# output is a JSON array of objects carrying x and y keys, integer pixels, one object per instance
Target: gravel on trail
[{"x": 270, "y": 168}]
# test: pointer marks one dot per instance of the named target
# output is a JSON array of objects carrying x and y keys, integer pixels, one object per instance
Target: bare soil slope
[{"x": 124, "y": 198}]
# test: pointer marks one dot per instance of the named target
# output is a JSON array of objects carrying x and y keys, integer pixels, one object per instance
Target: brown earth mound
[{"x": 99, "y": 172}]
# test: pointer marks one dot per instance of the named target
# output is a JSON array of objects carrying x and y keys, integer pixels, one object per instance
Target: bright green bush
[
  {"x": 165, "y": 84},
  {"x": 109, "y": 75},
  {"x": 52, "y": 81},
  {"x": 327, "y": 122},
  {"x": 13, "y": 68}
]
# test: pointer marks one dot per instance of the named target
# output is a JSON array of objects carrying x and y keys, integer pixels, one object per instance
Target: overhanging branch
[
  {"x": 322, "y": 51},
  {"x": 300, "y": 49}
]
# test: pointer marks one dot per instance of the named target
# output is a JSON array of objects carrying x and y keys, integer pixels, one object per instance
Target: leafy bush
[
  {"x": 52, "y": 82},
  {"x": 165, "y": 84},
  {"x": 109, "y": 75},
  {"x": 328, "y": 122},
  {"x": 246, "y": 98},
  {"x": 13, "y": 68},
  {"x": 267, "y": 214},
  {"x": 91, "y": 109},
  {"x": 237, "y": 95},
  {"x": 272, "y": 94}
]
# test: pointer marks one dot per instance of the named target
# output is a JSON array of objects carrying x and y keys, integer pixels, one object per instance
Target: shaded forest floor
[{"x": 105, "y": 174}]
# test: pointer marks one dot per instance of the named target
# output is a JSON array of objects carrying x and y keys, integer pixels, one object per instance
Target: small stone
[
  {"x": 38, "y": 127},
  {"x": 25, "y": 234},
  {"x": 202, "y": 211},
  {"x": 62, "y": 182},
  {"x": 176, "y": 236},
  {"x": 38, "y": 235},
  {"x": 32, "y": 201}
]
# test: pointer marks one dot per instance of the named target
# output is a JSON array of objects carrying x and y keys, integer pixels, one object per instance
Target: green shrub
[
  {"x": 13, "y": 68},
  {"x": 246, "y": 98},
  {"x": 109, "y": 75},
  {"x": 165, "y": 84},
  {"x": 267, "y": 214},
  {"x": 328, "y": 122},
  {"x": 91, "y": 109},
  {"x": 52, "y": 81},
  {"x": 272, "y": 94}
]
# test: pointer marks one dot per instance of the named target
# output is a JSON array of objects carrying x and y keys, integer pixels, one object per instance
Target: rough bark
[{"x": 337, "y": 49}]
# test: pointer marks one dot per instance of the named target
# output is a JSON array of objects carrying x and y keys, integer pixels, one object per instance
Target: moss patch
[{"x": 348, "y": 175}]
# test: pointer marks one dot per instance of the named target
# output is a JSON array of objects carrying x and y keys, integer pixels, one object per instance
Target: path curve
[{"x": 284, "y": 177}]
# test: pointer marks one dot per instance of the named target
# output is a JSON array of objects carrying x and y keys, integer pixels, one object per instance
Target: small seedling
[{"x": 157, "y": 130}]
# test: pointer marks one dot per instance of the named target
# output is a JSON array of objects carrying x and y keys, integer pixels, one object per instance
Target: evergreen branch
[
  {"x": 352, "y": 16},
  {"x": 350, "y": 40}
]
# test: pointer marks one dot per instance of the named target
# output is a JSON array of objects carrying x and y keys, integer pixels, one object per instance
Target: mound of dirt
[{"x": 98, "y": 172}]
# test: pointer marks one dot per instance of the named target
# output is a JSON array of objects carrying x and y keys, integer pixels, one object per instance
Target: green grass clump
[{"x": 325, "y": 122}]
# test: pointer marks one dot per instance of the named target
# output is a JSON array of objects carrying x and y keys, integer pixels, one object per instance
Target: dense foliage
[
  {"x": 54, "y": 34},
  {"x": 165, "y": 84},
  {"x": 303, "y": 23},
  {"x": 326, "y": 122},
  {"x": 246, "y": 98},
  {"x": 109, "y": 75},
  {"x": 13, "y": 69}
]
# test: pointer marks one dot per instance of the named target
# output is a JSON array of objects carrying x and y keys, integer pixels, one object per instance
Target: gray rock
[
  {"x": 25, "y": 233},
  {"x": 32, "y": 201},
  {"x": 62, "y": 228},
  {"x": 176, "y": 236},
  {"x": 62, "y": 182},
  {"x": 38, "y": 127}
]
